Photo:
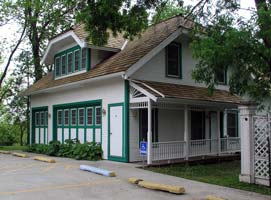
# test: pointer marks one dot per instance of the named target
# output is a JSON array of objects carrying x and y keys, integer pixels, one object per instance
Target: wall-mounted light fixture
[{"x": 104, "y": 111}]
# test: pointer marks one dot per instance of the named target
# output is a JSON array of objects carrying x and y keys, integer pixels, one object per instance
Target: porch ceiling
[{"x": 185, "y": 92}]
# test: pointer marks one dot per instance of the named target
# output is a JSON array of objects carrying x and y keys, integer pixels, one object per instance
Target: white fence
[
  {"x": 262, "y": 131},
  {"x": 177, "y": 149}
]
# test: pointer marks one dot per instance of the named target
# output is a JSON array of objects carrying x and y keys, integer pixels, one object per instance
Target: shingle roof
[
  {"x": 113, "y": 42},
  {"x": 122, "y": 60},
  {"x": 188, "y": 92}
]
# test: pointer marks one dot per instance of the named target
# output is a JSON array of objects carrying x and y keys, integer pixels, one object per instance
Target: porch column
[
  {"x": 149, "y": 137},
  {"x": 218, "y": 132},
  {"x": 247, "y": 142},
  {"x": 186, "y": 134}
]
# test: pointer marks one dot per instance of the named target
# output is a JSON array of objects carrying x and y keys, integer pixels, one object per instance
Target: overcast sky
[{"x": 8, "y": 32}]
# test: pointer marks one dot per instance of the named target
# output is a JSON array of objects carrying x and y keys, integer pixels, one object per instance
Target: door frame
[
  {"x": 33, "y": 121},
  {"x": 124, "y": 145}
]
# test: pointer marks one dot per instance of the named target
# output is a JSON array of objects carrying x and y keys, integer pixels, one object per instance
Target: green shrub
[
  {"x": 53, "y": 148},
  {"x": 71, "y": 149}
]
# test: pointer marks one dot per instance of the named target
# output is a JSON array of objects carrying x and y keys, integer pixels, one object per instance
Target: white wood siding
[
  {"x": 155, "y": 69},
  {"x": 110, "y": 91}
]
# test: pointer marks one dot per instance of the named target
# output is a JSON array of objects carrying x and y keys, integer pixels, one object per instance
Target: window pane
[
  {"x": 232, "y": 125},
  {"x": 76, "y": 60},
  {"x": 84, "y": 58},
  {"x": 63, "y": 64},
  {"x": 66, "y": 117},
  {"x": 41, "y": 118},
  {"x": 70, "y": 62},
  {"x": 81, "y": 116},
  {"x": 220, "y": 76},
  {"x": 89, "y": 116},
  {"x": 98, "y": 115},
  {"x": 59, "y": 117},
  {"x": 73, "y": 117},
  {"x": 37, "y": 117},
  {"x": 173, "y": 68},
  {"x": 57, "y": 66},
  {"x": 46, "y": 118}
]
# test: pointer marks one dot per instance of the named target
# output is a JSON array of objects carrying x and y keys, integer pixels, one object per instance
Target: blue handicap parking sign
[{"x": 143, "y": 148}]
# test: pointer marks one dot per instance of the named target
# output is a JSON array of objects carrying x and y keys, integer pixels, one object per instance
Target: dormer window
[
  {"x": 174, "y": 61},
  {"x": 71, "y": 61},
  {"x": 221, "y": 76}
]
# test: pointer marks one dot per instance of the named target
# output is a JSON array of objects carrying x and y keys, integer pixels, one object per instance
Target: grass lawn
[
  {"x": 11, "y": 148},
  {"x": 224, "y": 174}
]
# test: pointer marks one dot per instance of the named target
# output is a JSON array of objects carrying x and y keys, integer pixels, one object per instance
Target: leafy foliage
[
  {"x": 71, "y": 149},
  {"x": 242, "y": 46}
]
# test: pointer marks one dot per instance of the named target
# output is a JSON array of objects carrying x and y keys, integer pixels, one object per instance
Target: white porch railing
[
  {"x": 203, "y": 147},
  {"x": 168, "y": 150},
  {"x": 230, "y": 144},
  {"x": 177, "y": 149}
]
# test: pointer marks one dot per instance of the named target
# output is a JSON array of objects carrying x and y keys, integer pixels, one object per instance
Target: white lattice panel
[{"x": 262, "y": 130}]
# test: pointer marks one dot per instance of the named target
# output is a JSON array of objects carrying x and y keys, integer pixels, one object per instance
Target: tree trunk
[{"x": 21, "y": 134}]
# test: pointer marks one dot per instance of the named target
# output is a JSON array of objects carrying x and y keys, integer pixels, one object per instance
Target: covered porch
[{"x": 182, "y": 122}]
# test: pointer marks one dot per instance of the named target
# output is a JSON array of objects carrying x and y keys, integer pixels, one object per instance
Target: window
[
  {"x": 89, "y": 116},
  {"x": 57, "y": 66},
  {"x": 46, "y": 118},
  {"x": 76, "y": 60},
  {"x": 81, "y": 116},
  {"x": 197, "y": 125},
  {"x": 66, "y": 117},
  {"x": 84, "y": 58},
  {"x": 143, "y": 125},
  {"x": 59, "y": 117},
  {"x": 42, "y": 118},
  {"x": 70, "y": 55},
  {"x": 232, "y": 124},
  {"x": 98, "y": 115},
  {"x": 63, "y": 65},
  {"x": 73, "y": 117},
  {"x": 173, "y": 60},
  {"x": 37, "y": 118},
  {"x": 220, "y": 76}
]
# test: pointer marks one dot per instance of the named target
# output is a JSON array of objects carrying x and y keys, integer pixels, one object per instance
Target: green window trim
[
  {"x": 71, "y": 59},
  {"x": 66, "y": 117},
  {"x": 74, "y": 108},
  {"x": 99, "y": 116},
  {"x": 179, "y": 60}
]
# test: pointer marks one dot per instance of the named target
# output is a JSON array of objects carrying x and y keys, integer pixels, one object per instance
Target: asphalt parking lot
[{"x": 27, "y": 179}]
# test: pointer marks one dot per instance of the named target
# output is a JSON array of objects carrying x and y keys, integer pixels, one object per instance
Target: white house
[{"x": 131, "y": 91}]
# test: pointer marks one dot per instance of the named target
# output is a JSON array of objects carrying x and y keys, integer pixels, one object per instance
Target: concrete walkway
[
  {"x": 26, "y": 179},
  {"x": 194, "y": 190}
]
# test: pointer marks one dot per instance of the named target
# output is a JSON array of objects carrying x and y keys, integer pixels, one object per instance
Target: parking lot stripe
[{"x": 60, "y": 187}]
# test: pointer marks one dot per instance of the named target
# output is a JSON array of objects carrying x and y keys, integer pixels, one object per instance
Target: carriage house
[{"x": 131, "y": 91}]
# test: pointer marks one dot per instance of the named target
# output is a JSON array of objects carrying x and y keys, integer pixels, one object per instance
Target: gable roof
[
  {"x": 186, "y": 92},
  {"x": 133, "y": 52}
]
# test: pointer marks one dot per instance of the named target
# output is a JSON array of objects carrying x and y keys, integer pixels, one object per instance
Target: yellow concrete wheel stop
[
  {"x": 210, "y": 197},
  {"x": 156, "y": 186},
  {"x": 134, "y": 180},
  {"x": 22, "y": 155},
  {"x": 44, "y": 159},
  {"x": 5, "y": 152}
]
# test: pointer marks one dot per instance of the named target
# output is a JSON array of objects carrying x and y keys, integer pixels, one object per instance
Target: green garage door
[
  {"x": 40, "y": 125},
  {"x": 82, "y": 121}
]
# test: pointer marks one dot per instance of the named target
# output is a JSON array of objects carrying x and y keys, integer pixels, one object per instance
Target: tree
[
  {"x": 166, "y": 11},
  {"x": 40, "y": 21},
  {"x": 243, "y": 46}
]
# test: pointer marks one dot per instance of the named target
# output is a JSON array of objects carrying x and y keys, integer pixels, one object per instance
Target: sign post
[{"x": 143, "y": 150}]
